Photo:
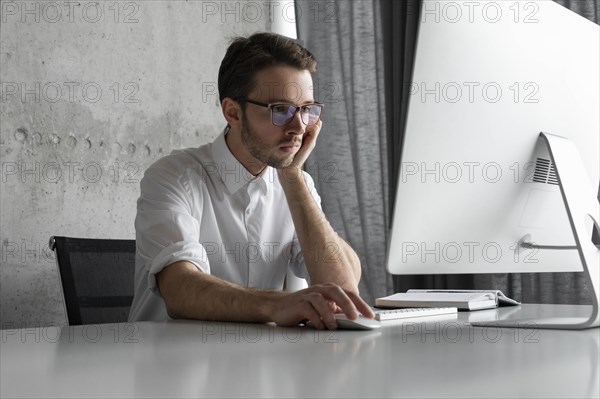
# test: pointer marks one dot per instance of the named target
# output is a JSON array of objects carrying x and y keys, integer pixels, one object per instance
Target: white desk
[{"x": 444, "y": 357}]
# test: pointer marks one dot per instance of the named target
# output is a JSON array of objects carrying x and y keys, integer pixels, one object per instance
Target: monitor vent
[{"x": 545, "y": 172}]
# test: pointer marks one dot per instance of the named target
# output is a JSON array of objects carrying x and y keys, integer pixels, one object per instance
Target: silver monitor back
[{"x": 474, "y": 179}]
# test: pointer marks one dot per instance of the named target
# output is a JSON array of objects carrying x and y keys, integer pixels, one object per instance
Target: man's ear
[{"x": 232, "y": 112}]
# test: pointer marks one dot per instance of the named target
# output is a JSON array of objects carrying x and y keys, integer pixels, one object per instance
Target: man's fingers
[
  {"x": 322, "y": 306},
  {"x": 361, "y": 305},
  {"x": 319, "y": 303},
  {"x": 336, "y": 294},
  {"x": 317, "y": 129},
  {"x": 309, "y": 140},
  {"x": 348, "y": 302},
  {"x": 315, "y": 318}
]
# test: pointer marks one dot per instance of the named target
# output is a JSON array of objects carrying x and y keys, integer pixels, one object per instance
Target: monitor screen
[{"x": 475, "y": 178}]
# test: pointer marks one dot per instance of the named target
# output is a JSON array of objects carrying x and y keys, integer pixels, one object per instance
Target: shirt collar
[{"x": 233, "y": 174}]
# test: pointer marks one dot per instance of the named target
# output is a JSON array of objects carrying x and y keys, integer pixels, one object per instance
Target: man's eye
[
  {"x": 281, "y": 108},
  {"x": 306, "y": 109}
]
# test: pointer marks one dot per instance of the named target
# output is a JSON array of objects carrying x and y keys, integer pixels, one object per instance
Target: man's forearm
[
  {"x": 328, "y": 257},
  {"x": 191, "y": 294}
]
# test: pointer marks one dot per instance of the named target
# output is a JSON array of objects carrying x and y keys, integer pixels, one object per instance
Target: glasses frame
[{"x": 271, "y": 105}]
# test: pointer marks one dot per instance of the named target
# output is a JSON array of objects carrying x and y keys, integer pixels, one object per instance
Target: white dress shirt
[{"x": 201, "y": 205}]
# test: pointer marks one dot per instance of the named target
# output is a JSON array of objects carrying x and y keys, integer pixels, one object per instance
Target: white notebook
[{"x": 461, "y": 299}]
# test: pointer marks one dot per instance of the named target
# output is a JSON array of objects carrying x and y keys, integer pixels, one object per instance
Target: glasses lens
[
  {"x": 283, "y": 114},
  {"x": 311, "y": 113}
]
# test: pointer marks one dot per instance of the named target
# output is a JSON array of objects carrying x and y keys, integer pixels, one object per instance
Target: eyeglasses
[{"x": 282, "y": 114}]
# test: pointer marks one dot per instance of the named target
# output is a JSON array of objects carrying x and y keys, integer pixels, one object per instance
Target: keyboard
[
  {"x": 382, "y": 315},
  {"x": 405, "y": 313}
]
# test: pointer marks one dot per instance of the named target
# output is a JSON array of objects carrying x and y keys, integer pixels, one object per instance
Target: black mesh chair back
[{"x": 96, "y": 277}]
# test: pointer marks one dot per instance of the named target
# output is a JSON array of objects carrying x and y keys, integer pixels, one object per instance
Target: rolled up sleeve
[{"x": 167, "y": 223}]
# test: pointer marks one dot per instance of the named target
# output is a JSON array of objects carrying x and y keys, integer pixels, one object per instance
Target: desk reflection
[
  {"x": 231, "y": 359},
  {"x": 433, "y": 358}
]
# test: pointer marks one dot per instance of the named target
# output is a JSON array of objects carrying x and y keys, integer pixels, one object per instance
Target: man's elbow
[{"x": 170, "y": 283}]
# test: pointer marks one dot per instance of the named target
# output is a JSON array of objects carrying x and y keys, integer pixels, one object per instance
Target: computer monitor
[{"x": 478, "y": 191}]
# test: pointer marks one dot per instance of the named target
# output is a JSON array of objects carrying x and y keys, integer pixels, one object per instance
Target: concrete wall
[{"x": 91, "y": 94}]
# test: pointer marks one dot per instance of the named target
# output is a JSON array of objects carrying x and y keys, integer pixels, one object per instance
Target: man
[{"x": 218, "y": 226}]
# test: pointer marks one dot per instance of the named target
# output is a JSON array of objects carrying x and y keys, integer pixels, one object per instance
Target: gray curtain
[
  {"x": 589, "y": 9},
  {"x": 350, "y": 162},
  {"x": 365, "y": 52}
]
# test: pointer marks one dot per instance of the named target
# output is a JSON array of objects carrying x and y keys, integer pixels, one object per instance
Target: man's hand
[
  {"x": 308, "y": 145},
  {"x": 318, "y": 304}
]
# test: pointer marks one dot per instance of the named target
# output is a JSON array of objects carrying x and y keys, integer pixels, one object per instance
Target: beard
[{"x": 260, "y": 149}]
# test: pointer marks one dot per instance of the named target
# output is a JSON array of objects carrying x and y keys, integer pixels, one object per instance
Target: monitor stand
[{"x": 582, "y": 208}]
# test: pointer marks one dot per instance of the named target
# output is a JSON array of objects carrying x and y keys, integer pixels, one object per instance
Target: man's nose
[{"x": 296, "y": 126}]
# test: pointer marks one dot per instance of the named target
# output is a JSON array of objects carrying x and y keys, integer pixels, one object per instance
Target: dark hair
[{"x": 245, "y": 57}]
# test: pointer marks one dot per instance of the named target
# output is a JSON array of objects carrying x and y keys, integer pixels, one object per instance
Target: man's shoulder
[{"x": 183, "y": 159}]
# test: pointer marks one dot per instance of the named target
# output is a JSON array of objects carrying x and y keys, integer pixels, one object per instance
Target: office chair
[{"x": 96, "y": 276}]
